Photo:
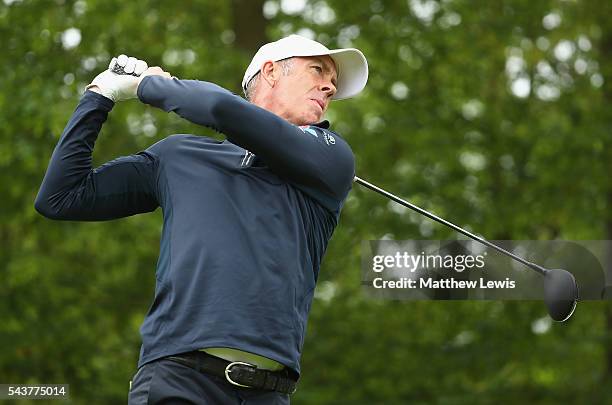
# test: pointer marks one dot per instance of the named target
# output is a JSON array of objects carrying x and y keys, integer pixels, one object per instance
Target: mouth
[{"x": 319, "y": 103}]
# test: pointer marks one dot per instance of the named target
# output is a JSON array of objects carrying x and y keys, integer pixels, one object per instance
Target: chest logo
[
  {"x": 330, "y": 140},
  {"x": 307, "y": 129}
]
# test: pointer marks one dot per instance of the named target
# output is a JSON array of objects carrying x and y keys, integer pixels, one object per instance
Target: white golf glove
[{"x": 119, "y": 87}]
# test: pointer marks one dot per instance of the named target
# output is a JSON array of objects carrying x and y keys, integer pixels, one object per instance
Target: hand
[
  {"x": 118, "y": 87},
  {"x": 155, "y": 71}
]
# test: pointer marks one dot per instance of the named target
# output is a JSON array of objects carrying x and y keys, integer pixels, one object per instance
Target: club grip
[{"x": 116, "y": 68}]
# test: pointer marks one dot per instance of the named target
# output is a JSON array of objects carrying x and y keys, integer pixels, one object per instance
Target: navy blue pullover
[{"x": 246, "y": 220}]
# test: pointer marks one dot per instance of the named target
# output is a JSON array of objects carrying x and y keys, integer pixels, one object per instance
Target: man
[{"x": 246, "y": 220}]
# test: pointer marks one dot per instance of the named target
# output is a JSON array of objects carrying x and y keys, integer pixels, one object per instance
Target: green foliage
[{"x": 442, "y": 122}]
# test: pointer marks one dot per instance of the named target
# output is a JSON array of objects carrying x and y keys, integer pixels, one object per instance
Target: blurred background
[{"x": 493, "y": 114}]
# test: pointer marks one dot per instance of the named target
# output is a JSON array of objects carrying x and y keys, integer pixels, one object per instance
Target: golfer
[{"x": 246, "y": 220}]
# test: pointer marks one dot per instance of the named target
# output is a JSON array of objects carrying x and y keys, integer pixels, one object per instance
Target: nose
[{"x": 328, "y": 88}]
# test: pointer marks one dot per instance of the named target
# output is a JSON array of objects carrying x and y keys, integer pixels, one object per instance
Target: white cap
[{"x": 351, "y": 64}]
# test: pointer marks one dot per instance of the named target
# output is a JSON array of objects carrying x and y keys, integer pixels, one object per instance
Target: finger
[
  {"x": 122, "y": 60},
  {"x": 112, "y": 63},
  {"x": 130, "y": 65},
  {"x": 147, "y": 72},
  {"x": 157, "y": 71},
  {"x": 140, "y": 67}
]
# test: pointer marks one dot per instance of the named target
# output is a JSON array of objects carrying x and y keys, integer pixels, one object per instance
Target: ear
[{"x": 270, "y": 73}]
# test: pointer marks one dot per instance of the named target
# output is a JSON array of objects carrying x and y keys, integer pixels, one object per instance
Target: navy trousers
[{"x": 167, "y": 382}]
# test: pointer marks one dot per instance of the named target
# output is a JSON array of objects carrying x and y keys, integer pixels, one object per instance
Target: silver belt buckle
[{"x": 228, "y": 370}]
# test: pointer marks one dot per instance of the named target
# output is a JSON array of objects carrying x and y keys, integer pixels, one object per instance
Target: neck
[{"x": 265, "y": 103}]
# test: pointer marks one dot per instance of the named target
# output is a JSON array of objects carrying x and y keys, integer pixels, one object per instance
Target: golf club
[{"x": 560, "y": 288}]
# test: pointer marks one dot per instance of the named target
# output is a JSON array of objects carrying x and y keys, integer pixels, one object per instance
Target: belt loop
[{"x": 265, "y": 380}]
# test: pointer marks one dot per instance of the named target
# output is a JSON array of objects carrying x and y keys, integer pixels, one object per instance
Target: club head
[{"x": 560, "y": 294}]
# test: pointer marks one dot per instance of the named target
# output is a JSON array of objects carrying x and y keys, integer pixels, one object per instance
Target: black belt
[{"x": 237, "y": 372}]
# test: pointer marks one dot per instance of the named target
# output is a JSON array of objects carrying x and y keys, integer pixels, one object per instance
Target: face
[{"x": 302, "y": 96}]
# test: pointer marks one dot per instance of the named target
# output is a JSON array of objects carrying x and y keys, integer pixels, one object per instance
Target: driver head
[{"x": 560, "y": 294}]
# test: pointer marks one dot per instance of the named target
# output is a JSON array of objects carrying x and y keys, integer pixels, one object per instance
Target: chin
[
  {"x": 314, "y": 118},
  {"x": 307, "y": 118}
]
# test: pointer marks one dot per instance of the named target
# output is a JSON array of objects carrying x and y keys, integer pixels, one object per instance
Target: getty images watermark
[
  {"x": 412, "y": 263},
  {"x": 468, "y": 270}
]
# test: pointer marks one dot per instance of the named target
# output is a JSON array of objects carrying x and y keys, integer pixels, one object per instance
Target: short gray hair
[{"x": 249, "y": 92}]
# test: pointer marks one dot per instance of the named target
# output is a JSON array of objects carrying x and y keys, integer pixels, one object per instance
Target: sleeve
[
  {"x": 73, "y": 190},
  {"x": 301, "y": 155}
]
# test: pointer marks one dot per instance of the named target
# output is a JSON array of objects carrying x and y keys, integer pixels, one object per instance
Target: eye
[{"x": 318, "y": 68}]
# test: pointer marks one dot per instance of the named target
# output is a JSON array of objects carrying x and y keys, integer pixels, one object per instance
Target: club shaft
[{"x": 436, "y": 218}]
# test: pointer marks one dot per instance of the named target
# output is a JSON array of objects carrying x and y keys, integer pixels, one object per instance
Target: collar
[{"x": 323, "y": 124}]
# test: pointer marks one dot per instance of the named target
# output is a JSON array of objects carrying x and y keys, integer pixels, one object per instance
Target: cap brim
[{"x": 352, "y": 69}]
